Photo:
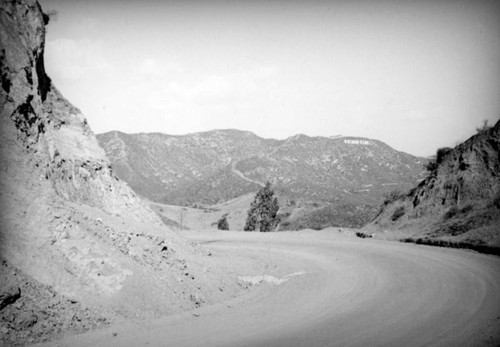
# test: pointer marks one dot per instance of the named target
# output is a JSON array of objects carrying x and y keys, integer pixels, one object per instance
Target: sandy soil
[{"x": 327, "y": 288}]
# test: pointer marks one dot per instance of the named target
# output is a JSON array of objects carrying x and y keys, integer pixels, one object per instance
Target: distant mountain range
[{"x": 320, "y": 181}]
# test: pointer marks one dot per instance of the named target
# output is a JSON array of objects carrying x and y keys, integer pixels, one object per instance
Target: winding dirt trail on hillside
[
  {"x": 242, "y": 176},
  {"x": 323, "y": 289}
]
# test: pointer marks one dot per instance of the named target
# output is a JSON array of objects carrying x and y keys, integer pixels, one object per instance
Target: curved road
[{"x": 332, "y": 290}]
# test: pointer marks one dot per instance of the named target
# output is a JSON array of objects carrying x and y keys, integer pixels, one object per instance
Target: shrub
[
  {"x": 431, "y": 166},
  {"x": 463, "y": 166},
  {"x": 362, "y": 235},
  {"x": 48, "y": 16},
  {"x": 411, "y": 192},
  {"x": 451, "y": 212},
  {"x": 441, "y": 153},
  {"x": 398, "y": 213},
  {"x": 393, "y": 196},
  {"x": 222, "y": 223},
  {"x": 484, "y": 127},
  {"x": 467, "y": 208}
]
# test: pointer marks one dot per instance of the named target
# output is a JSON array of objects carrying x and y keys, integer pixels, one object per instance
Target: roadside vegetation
[
  {"x": 454, "y": 244},
  {"x": 363, "y": 235}
]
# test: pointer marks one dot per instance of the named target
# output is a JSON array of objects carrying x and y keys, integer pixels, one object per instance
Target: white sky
[{"x": 417, "y": 75}]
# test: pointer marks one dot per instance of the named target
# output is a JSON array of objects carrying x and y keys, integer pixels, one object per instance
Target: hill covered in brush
[
  {"x": 320, "y": 181},
  {"x": 459, "y": 201}
]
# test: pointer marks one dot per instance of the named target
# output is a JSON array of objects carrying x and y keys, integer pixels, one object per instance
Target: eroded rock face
[
  {"x": 67, "y": 222},
  {"x": 49, "y": 158},
  {"x": 51, "y": 130},
  {"x": 23, "y": 75},
  {"x": 459, "y": 198}
]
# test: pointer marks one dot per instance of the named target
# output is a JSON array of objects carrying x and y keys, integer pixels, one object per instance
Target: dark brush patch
[
  {"x": 6, "y": 83},
  {"x": 44, "y": 81}
]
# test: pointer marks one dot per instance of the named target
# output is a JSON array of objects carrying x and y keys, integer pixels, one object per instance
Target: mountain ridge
[
  {"x": 247, "y": 132},
  {"x": 208, "y": 168}
]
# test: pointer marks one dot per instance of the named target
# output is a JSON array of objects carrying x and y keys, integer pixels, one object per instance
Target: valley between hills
[{"x": 112, "y": 240}]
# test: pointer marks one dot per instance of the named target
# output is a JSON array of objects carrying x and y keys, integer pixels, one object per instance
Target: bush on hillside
[
  {"x": 484, "y": 127},
  {"x": 398, "y": 213},
  {"x": 467, "y": 208},
  {"x": 222, "y": 223},
  {"x": 463, "y": 166},
  {"x": 441, "y": 153},
  {"x": 393, "y": 196},
  {"x": 452, "y": 212},
  {"x": 48, "y": 16},
  {"x": 431, "y": 166}
]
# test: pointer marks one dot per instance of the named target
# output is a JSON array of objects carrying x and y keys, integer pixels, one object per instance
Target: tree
[
  {"x": 263, "y": 212},
  {"x": 223, "y": 224}
]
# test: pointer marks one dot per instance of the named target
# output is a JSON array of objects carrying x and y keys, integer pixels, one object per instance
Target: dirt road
[{"x": 326, "y": 289}]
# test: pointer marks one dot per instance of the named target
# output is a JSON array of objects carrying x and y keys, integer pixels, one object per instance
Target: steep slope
[
  {"x": 69, "y": 226},
  {"x": 459, "y": 201},
  {"x": 311, "y": 174}
]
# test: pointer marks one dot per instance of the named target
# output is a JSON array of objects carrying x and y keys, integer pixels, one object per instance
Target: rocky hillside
[
  {"x": 458, "y": 202},
  {"x": 76, "y": 243},
  {"x": 320, "y": 181}
]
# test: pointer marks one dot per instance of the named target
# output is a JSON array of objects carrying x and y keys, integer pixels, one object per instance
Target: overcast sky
[{"x": 417, "y": 75}]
